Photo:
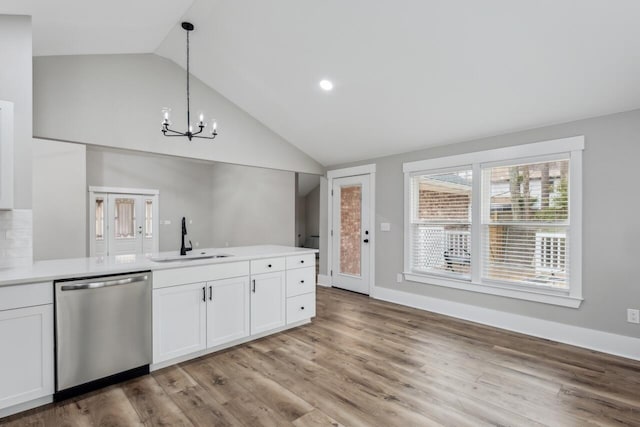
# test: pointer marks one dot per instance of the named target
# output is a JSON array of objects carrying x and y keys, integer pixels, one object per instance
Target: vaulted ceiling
[{"x": 407, "y": 73}]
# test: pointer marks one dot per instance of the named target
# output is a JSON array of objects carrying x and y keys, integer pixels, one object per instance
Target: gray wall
[
  {"x": 16, "y": 86},
  {"x": 312, "y": 212},
  {"x": 252, "y": 206},
  {"x": 185, "y": 189},
  {"x": 324, "y": 226},
  {"x": 610, "y": 215},
  {"x": 116, "y": 101},
  {"x": 301, "y": 220},
  {"x": 59, "y": 200}
]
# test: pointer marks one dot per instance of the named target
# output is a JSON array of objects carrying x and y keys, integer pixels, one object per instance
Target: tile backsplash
[{"x": 16, "y": 238}]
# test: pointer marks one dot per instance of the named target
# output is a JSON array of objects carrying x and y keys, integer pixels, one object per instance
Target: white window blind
[
  {"x": 440, "y": 229},
  {"x": 525, "y": 227}
]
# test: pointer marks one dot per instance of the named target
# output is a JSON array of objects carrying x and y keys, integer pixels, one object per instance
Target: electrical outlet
[
  {"x": 385, "y": 226},
  {"x": 399, "y": 278},
  {"x": 633, "y": 315}
]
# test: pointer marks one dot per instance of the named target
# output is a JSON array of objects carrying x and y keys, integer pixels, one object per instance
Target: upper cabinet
[{"x": 6, "y": 155}]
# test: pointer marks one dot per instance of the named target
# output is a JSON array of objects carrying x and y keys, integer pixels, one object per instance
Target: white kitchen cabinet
[
  {"x": 26, "y": 354},
  {"x": 6, "y": 155},
  {"x": 227, "y": 310},
  {"x": 301, "y": 307},
  {"x": 179, "y": 321},
  {"x": 268, "y": 296}
]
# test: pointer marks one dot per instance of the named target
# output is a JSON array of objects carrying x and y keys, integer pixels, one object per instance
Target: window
[
  {"x": 148, "y": 219},
  {"x": 441, "y": 223},
  {"x": 125, "y": 218},
  {"x": 504, "y": 222},
  {"x": 526, "y": 223},
  {"x": 99, "y": 218}
]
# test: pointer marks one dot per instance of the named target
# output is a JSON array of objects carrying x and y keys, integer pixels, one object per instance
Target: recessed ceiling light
[{"x": 326, "y": 85}]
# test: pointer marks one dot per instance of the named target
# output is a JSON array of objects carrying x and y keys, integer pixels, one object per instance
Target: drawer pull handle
[
  {"x": 301, "y": 281},
  {"x": 302, "y": 308}
]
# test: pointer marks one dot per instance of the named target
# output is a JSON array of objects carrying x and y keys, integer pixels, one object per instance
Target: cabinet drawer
[
  {"x": 29, "y": 295},
  {"x": 199, "y": 273},
  {"x": 301, "y": 261},
  {"x": 267, "y": 265},
  {"x": 301, "y": 307},
  {"x": 301, "y": 281}
]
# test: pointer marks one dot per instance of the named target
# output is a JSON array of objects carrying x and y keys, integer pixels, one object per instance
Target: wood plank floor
[{"x": 368, "y": 363}]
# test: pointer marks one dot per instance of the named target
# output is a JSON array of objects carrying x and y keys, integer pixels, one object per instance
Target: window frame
[{"x": 570, "y": 148}]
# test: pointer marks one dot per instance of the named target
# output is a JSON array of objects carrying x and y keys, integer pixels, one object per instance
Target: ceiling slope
[
  {"x": 410, "y": 74},
  {"x": 77, "y": 27}
]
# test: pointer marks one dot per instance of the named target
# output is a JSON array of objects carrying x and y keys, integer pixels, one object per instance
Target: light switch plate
[
  {"x": 400, "y": 278},
  {"x": 385, "y": 226},
  {"x": 633, "y": 315}
]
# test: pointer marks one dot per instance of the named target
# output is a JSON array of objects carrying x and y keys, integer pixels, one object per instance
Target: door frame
[
  {"x": 93, "y": 190},
  {"x": 369, "y": 170}
]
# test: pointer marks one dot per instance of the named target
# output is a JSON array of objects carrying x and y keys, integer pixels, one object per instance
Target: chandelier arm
[
  {"x": 199, "y": 132},
  {"x": 174, "y": 131},
  {"x": 206, "y": 137}
]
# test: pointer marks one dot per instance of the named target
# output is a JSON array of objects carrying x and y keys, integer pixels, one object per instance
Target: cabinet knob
[
  {"x": 301, "y": 261},
  {"x": 268, "y": 265},
  {"x": 302, "y": 308},
  {"x": 301, "y": 281}
]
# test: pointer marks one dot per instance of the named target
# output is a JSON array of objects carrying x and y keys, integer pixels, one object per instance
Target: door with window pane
[
  {"x": 125, "y": 224},
  {"x": 122, "y": 223},
  {"x": 351, "y": 235}
]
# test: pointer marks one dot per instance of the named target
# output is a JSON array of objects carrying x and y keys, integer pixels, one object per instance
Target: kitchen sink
[{"x": 190, "y": 257}]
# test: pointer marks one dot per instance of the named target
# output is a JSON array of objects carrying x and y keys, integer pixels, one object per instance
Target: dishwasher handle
[{"x": 96, "y": 285}]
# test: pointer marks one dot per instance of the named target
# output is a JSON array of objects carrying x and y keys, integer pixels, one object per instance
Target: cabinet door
[
  {"x": 227, "y": 310},
  {"x": 26, "y": 355},
  {"x": 179, "y": 321},
  {"x": 268, "y": 309},
  {"x": 6, "y": 155}
]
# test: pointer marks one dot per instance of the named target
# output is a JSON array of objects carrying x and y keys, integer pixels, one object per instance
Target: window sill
[{"x": 523, "y": 294}]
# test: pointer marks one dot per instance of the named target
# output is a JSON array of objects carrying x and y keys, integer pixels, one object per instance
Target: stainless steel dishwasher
[{"x": 103, "y": 331}]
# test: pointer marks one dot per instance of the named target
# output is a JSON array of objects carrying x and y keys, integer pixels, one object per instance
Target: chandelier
[{"x": 200, "y": 125}]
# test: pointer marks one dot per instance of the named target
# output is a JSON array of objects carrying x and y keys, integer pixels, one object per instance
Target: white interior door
[{"x": 351, "y": 235}]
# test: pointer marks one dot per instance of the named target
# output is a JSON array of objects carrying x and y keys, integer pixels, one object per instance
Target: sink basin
[{"x": 190, "y": 257}]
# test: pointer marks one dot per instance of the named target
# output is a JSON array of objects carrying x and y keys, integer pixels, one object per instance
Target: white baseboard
[
  {"x": 606, "y": 342},
  {"x": 180, "y": 359},
  {"x": 324, "y": 280},
  {"x": 21, "y": 407}
]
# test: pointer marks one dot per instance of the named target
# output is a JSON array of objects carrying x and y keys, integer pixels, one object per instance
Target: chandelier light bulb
[{"x": 165, "y": 114}]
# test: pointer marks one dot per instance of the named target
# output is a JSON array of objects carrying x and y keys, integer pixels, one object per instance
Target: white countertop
[{"x": 43, "y": 271}]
